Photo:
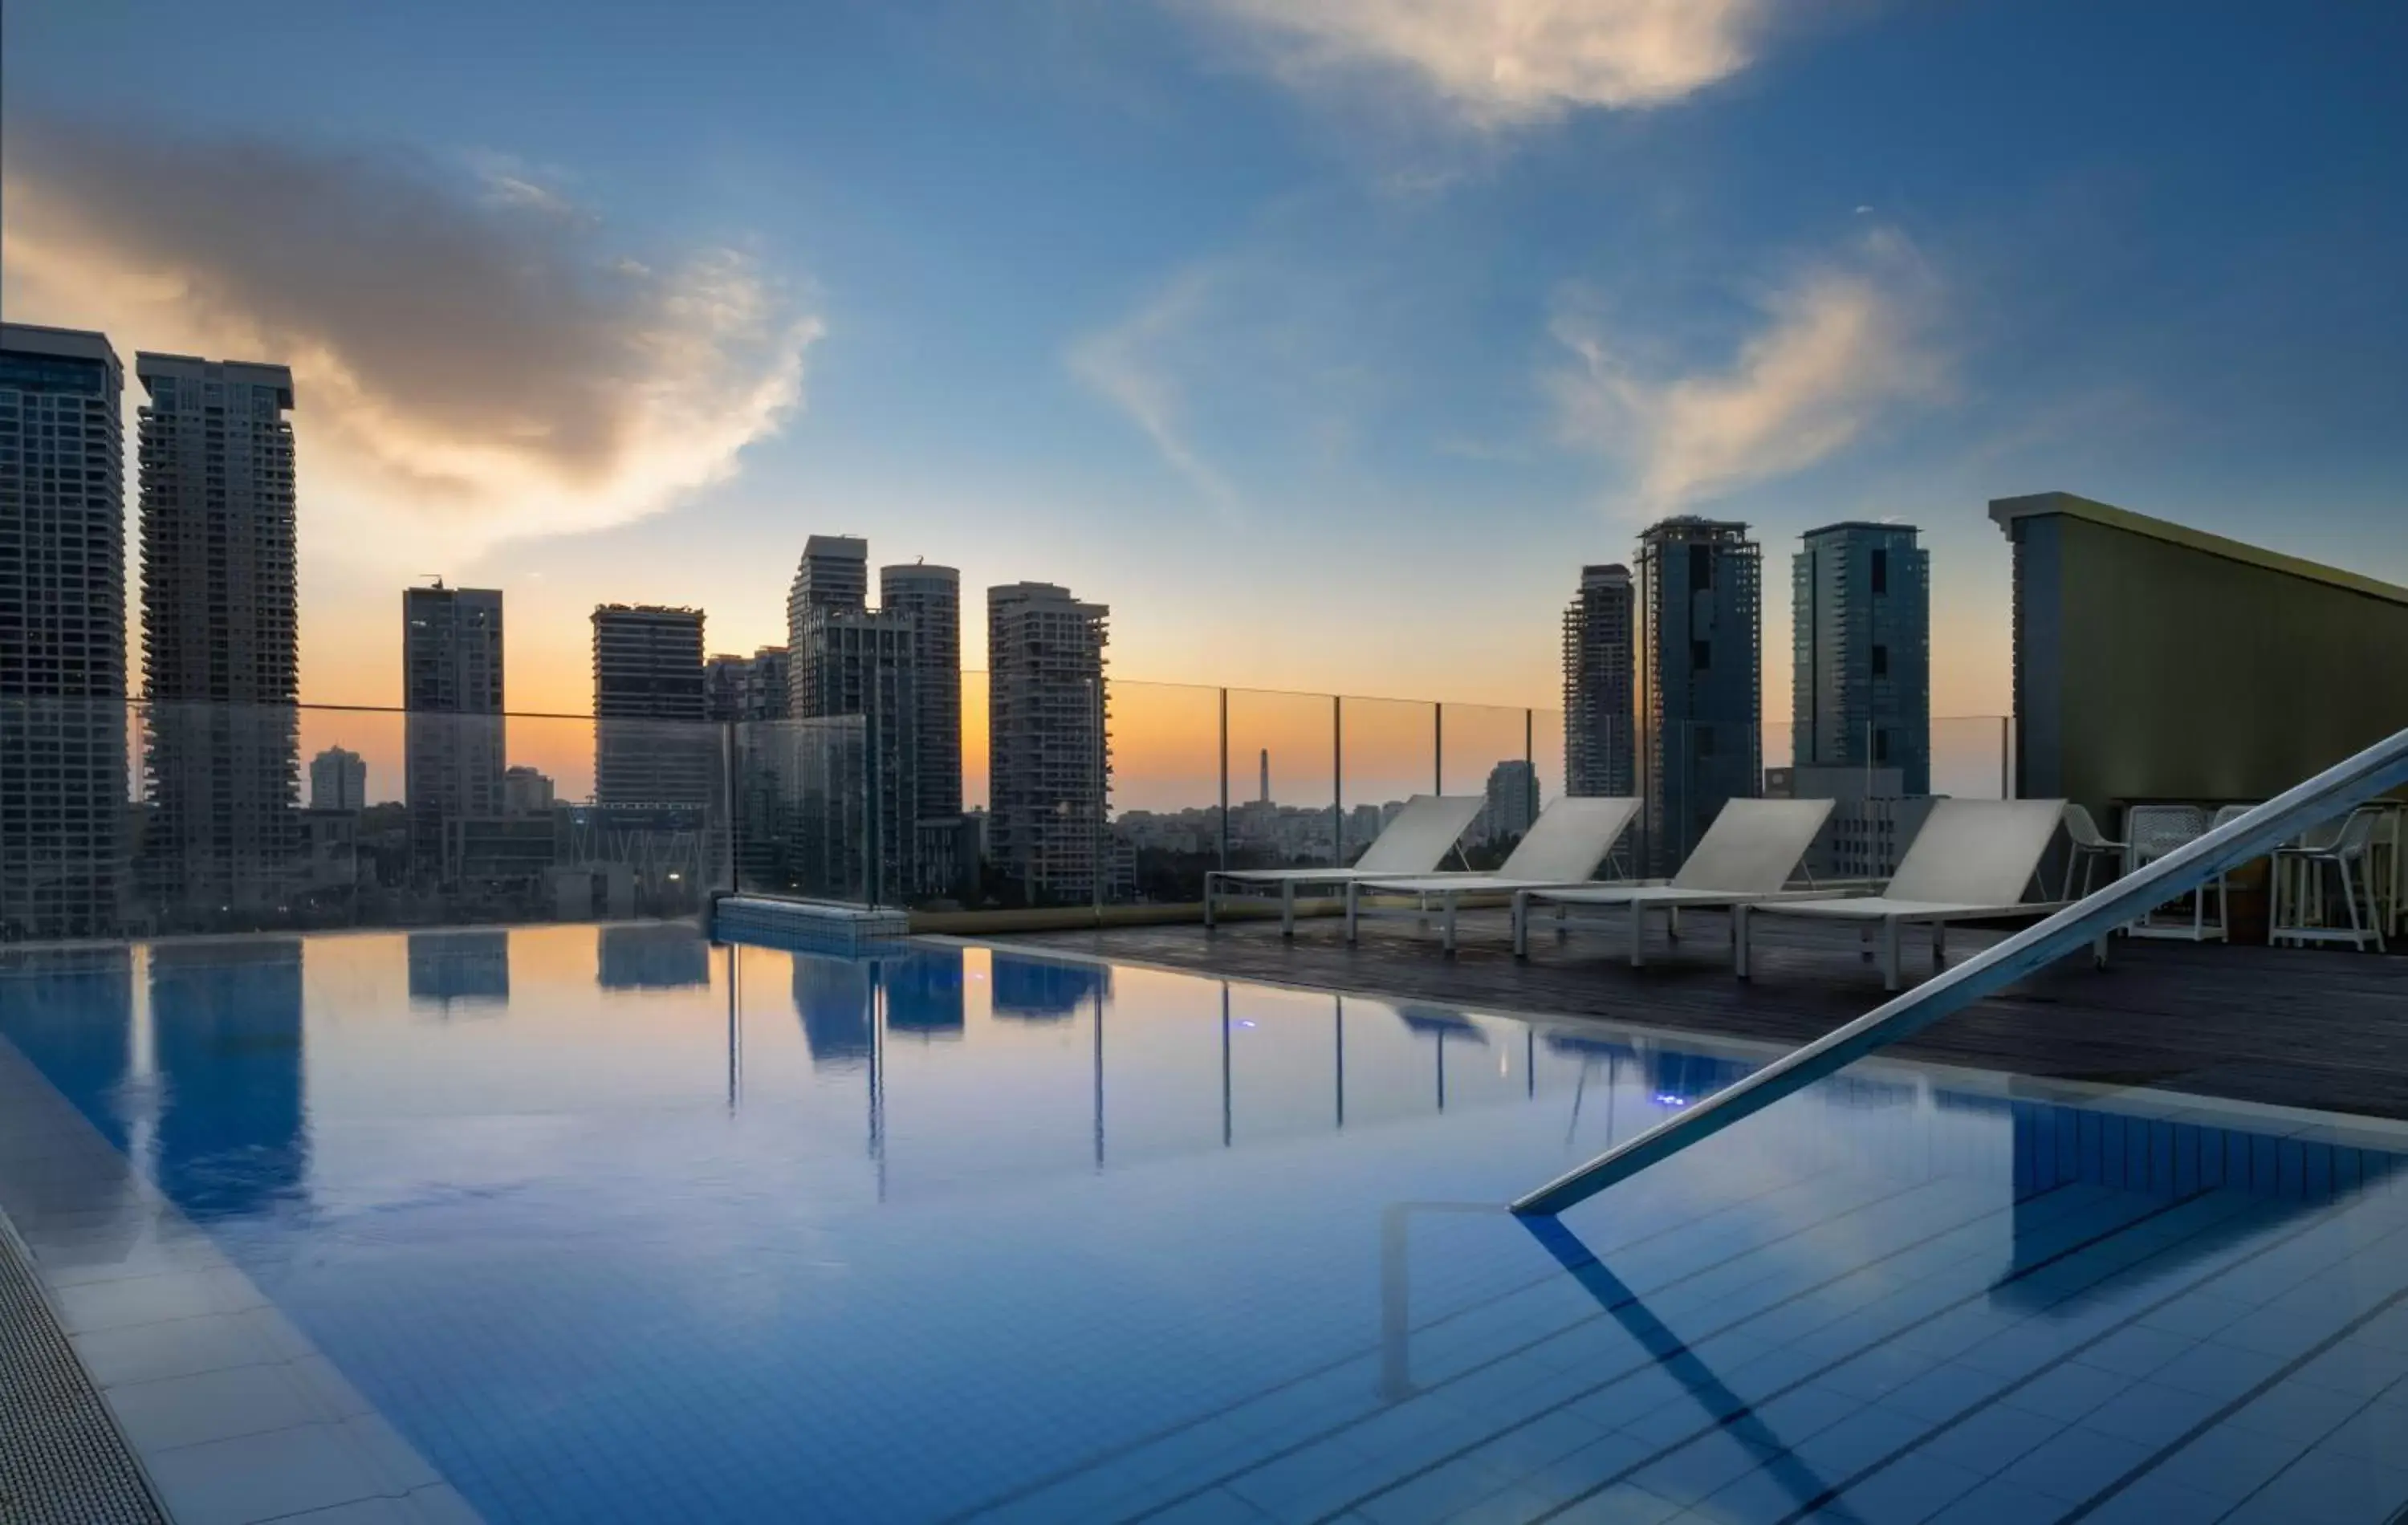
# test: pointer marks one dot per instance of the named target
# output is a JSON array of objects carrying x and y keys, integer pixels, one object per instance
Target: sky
[{"x": 1322, "y": 339}]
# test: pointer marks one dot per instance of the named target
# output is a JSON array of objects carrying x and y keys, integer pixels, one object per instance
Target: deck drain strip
[{"x": 63, "y": 1460}]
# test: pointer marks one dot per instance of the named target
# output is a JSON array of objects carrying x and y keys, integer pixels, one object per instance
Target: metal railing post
[
  {"x": 1438, "y": 748},
  {"x": 2381, "y": 767},
  {"x": 1337, "y": 781},
  {"x": 1225, "y": 781}
]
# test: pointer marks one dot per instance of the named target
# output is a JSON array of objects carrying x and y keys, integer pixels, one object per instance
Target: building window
[
  {"x": 1880, "y": 572},
  {"x": 1701, "y": 656},
  {"x": 1881, "y": 747},
  {"x": 1881, "y": 661},
  {"x": 1702, "y": 741},
  {"x": 1701, "y": 567}
]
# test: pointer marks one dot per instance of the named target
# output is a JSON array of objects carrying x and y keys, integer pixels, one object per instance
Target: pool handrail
[{"x": 2339, "y": 789}]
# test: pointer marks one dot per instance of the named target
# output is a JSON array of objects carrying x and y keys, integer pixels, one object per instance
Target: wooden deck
[{"x": 2291, "y": 1027}]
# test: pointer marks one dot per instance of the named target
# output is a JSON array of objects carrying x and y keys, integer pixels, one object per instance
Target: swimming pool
[{"x": 612, "y": 1224}]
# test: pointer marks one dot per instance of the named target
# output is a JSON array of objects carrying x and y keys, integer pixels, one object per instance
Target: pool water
[{"x": 618, "y": 1224}]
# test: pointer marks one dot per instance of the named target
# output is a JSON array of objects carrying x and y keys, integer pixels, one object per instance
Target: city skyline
[{"x": 614, "y": 359}]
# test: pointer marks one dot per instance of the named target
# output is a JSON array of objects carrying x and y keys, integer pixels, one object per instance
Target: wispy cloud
[
  {"x": 1841, "y": 347},
  {"x": 1508, "y": 63},
  {"x": 1128, "y": 364},
  {"x": 465, "y": 355}
]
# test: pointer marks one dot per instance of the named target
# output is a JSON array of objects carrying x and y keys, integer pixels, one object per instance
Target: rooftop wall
[{"x": 2156, "y": 662}]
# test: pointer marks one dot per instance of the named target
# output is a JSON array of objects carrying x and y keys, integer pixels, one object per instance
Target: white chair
[
  {"x": 2088, "y": 845},
  {"x": 2347, "y": 848},
  {"x": 1970, "y": 862},
  {"x": 1563, "y": 846},
  {"x": 1416, "y": 842},
  {"x": 1747, "y": 855}
]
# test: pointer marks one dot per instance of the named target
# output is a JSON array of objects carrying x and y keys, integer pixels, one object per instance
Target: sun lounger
[
  {"x": 1746, "y": 856},
  {"x": 1563, "y": 846},
  {"x": 1972, "y": 861},
  {"x": 1416, "y": 842}
]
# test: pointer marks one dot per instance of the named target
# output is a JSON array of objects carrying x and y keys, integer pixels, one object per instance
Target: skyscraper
[
  {"x": 1861, "y": 686},
  {"x": 62, "y": 633},
  {"x": 219, "y": 659},
  {"x": 1049, "y": 772},
  {"x": 338, "y": 780},
  {"x": 1600, "y": 671},
  {"x": 834, "y": 573},
  {"x": 452, "y": 691},
  {"x": 650, "y": 743},
  {"x": 748, "y": 688},
  {"x": 852, "y": 661},
  {"x": 932, "y": 597},
  {"x": 1700, "y": 677}
]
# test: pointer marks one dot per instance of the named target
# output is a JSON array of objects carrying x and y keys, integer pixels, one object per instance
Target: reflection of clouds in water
[{"x": 1042, "y": 990}]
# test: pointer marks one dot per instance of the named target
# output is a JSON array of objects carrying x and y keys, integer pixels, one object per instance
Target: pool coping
[
  {"x": 232, "y": 1413},
  {"x": 2271, "y": 1119}
]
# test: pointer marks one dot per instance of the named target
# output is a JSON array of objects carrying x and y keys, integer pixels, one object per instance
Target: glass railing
[{"x": 140, "y": 819}]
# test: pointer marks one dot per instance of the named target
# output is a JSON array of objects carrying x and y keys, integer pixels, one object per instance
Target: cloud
[
  {"x": 1508, "y": 63},
  {"x": 1130, "y": 366},
  {"x": 466, "y": 358},
  {"x": 1841, "y": 346}
]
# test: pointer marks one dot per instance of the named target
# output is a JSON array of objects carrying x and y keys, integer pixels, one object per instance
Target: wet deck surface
[{"x": 2304, "y": 1027}]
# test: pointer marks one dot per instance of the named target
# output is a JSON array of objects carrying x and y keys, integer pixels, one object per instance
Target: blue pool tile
[
  {"x": 2135, "y": 1350},
  {"x": 2066, "y": 1392},
  {"x": 2151, "y": 1413},
  {"x": 2327, "y": 1490},
  {"x": 1996, "y": 1503},
  {"x": 1992, "y": 1439},
  {"x": 1913, "y": 1487},
  {"x": 2075, "y": 1463},
  {"x": 2228, "y": 1463},
  {"x": 2217, "y": 1371}
]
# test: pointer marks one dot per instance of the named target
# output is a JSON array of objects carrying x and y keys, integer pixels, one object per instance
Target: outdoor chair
[
  {"x": 2346, "y": 849},
  {"x": 1563, "y": 846},
  {"x": 1416, "y": 842}
]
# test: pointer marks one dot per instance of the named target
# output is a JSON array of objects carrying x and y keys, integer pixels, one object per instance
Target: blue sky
[{"x": 1324, "y": 340}]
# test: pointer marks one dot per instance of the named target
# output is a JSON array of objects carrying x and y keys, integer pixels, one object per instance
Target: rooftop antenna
[{"x": 435, "y": 578}]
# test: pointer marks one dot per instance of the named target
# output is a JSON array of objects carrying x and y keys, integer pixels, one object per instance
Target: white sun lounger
[
  {"x": 1971, "y": 862},
  {"x": 1416, "y": 842},
  {"x": 1563, "y": 846},
  {"x": 1747, "y": 855}
]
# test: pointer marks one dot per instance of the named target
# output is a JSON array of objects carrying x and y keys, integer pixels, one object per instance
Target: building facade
[
  {"x": 1513, "y": 801},
  {"x": 834, "y": 573},
  {"x": 864, "y": 662},
  {"x": 1049, "y": 770},
  {"x": 220, "y": 658},
  {"x": 1860, "y": 683},
  {"x": 338, "y": 780},
  {"x": 63, "y": 720},
  {"x": 742, "y": 689},
  {"x": 1701, "y": 678},
  {"x": 651, "y": 745},
  {"x": 452, "y": 693},
  {"x": 1600, "y": 685},
  {"x": 931, "y": 597}
]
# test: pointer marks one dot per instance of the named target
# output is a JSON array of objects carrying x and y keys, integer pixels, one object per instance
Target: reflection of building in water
[
  {"x": 1589, "y": 1049},
  {"x": 1437, "y": 1021},
  {"x": 1679, "y": 1080},
  {"x": 832, "y": 998},
  {"x": 460, "y": 966},
  {"x": 924, "y": 992},
  {"x": 225, "y": 1038},
  {"x": 651, "y": 956},
  {"x": 71, "y": 1012},
  {"x": 1042, "y": 990}
]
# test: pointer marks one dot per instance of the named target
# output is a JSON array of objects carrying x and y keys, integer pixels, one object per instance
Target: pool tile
[
  {"x": 2074, "y": 1463},
  {"x": 209, "y": 1405},
  {"x": 2151, "y": 1413},
  {"x": 1996, "y": 1503},
  {"x": 2066, "y": 1392},
  {"x": 264, "y": 1477}
]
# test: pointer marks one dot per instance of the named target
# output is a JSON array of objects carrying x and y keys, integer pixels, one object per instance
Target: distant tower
[
  {"x": 1861, "y": 632},
  {"x": 1600, "y": 669},
  {"x": 1513, "y": 801},
  {"x": 62, "y": 634},
  {"x": 1049, "y": 770},
  {"x": 1700, "y": 677},
  {"x": 452, "y": 689},
  {"x": 834, "y": 573},
  {"x": 221, "y": 665},
  {"x": 1266, "y": 795},
  {"x": 649, "y": 745},
  {"x": 338, "y": 780},
  {"x": 932, "y": 597}
]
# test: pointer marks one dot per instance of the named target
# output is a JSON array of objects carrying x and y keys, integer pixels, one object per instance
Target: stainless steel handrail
[{"x": 2381, "y": 767}]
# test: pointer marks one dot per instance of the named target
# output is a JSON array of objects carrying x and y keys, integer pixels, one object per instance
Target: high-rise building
[
  {"x": 932, "y": 597},
  {"x": 1513, "y": 801},
  {"x": 650, "y": 743},
  {"x": 1700, "y": 677},
  {"x": 62, "y": 633},
  {"x": 834, "y": 573},
  {"x": 1049, "y": 770},
  {"x": 852, "y": 661},
  {"x": 221, "y": 665},
  {"x": 1600, "y": 675},
  {"x": 748, "y": 689},
  {"x": 338, "y": 780},
  {"x": 1861, "y": 628},
  {"x": 452, "y": 691}
]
